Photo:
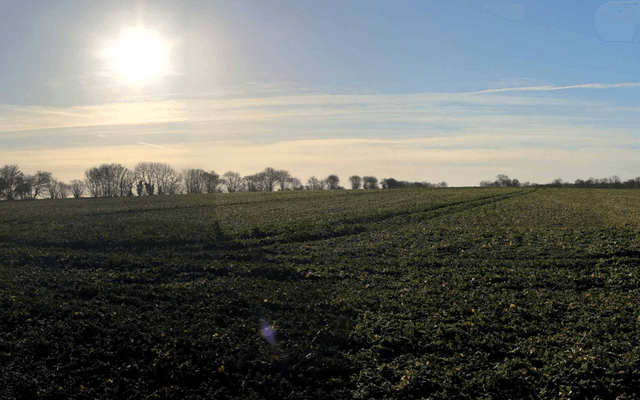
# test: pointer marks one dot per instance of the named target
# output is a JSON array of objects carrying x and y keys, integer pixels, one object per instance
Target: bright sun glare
[{"x": 139, "y": 55}]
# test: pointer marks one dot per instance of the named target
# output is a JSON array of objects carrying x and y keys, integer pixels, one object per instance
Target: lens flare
[{"x": 268, "y": 332}]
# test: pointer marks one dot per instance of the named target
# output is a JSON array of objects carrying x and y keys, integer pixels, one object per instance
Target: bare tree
[
  {"x": 166, "y": 178},
  {"x": 140, "y": 188},
  {"x": 126, "y": 183},
  {"x": 211, "y": 181},
  {"x": 270, "y": 177},
  {"x": 77, "y": 188},
  {"x": 557, "y": 182},
  {"x": 92, "y": 182},
  {"x": 314, "y": 183},
  {"x": 157, "y": 178},
  {"x": 108, "y": 180},
  {"x": 173, "y": 185},
  {"x": 24, "y": 190},
  {"x": 332, "y": 182},
  {"x": 52, "y": 189},
  {"x": 356, "y": 182},
  {"x": 233, "y": 181},
  {"x": 58, "y": 190},
  {"x": 503, "y": 180},
  {"x": 442, "y": 185},
  {"x": 63, "y": 190},
  {"x": 146, "y": 174},
  {"x": 11, "y": 178},
  {"x": 34, "y": 185},
  {"x": 296, "y": 184},
  {"x": 370, "y": 182},
  {"x": 193, "y": 180},
  {"x": 255, "y": 182},
  {"x": 615, "y": 182},
  {"x": 283, "y": 179}
]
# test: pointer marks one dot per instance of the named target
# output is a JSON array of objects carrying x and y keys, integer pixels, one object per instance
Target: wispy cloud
[
  {"x": 15, "y": 118},
  {"x": 407, "y": 136},
  {"x": 160, "y": 147},
  {"x": 552, "y": 88}
]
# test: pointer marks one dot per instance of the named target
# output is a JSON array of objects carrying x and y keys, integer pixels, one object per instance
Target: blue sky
[{"x": 416, "y": 90}]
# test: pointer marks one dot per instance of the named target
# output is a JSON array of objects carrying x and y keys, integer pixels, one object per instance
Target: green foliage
[{"x": 412, "y": 293}]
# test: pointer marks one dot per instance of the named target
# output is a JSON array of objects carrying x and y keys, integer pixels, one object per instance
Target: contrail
[
  {"x": 550, "y": 88},
  {"x": 159, "y": 147}
]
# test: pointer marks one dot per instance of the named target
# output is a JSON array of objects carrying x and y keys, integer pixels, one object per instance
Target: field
[{"x": 427, "y": 293}]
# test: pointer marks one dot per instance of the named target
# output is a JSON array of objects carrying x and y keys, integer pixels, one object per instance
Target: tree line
[
  {"x": 613, "y": 182},
  {"x": 154, "y": 178}
]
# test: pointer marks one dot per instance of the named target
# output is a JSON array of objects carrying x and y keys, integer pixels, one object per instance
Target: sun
[{"x": 139, "y": 55}]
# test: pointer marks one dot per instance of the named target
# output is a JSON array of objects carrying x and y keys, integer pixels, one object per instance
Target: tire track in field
[
  {"x": 440, "y": 209},
  {"x": 424, "y": 214},
  {"x": 342, "y": 227},
  {"x": 451, "y": 209}
]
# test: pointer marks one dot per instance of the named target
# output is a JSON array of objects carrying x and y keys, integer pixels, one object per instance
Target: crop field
[{"x": 471, "y": 293}]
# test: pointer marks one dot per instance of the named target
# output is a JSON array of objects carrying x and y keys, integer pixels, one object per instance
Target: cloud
[
  {"x": 281, "y": 108},
  {"x": 14, "y": 118},
  {"x": 552, "y": 88},
  {"x": 428, "y": 136},
  {"x": 460, "y": 159},
  {"x": 160, "y": 147}
]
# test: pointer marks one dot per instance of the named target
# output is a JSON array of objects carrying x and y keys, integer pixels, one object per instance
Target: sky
[{"x": 456, "y": 91}]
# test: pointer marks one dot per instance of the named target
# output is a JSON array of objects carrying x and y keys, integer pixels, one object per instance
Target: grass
[{"x": 426, "y": 293}]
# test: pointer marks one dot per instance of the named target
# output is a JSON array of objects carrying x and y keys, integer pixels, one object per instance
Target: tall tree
[
  {"x": 146, "y": 173},
  {"x": 296, "y": 184},
  {"x": 52, "y": 189},
  {"x": 255, "y": 182},
  {"x": 211, "y": 181},
  {"x": 356, "y": 182},
  {"x": 25, "y": 188},
  {"x": 63, "y": 190},
  {"x": 558, "y": 182},
  {"x": 314, "y": 183},
  {"x": 11, "y": 177},
  {"x": 370, "y": 182},
  {"x": 283, "y": 179},
  {"x": 269, "y": 176},
  {"x": 167, "y": 179},
  {"x": 193, "y": 180},
  {"x": 126, "y": 182},
  {"x": 107, "y": 180},
  {"x": 233, "y": 181},
  {"x": 77, "y": 188},
  {"x": 332, "y": 182},
  {"x": 503, "y": 180},
  {"x": 35, "y": 185}
]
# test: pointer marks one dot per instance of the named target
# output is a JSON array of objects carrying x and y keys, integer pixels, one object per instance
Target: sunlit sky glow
[
  {"x": 138, "y": 55},
  {"x": 458, "y": 91}
]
